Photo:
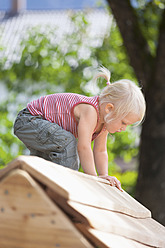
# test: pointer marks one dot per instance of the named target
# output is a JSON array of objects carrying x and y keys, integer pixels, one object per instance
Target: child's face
[{"x": 120, "y": 124}]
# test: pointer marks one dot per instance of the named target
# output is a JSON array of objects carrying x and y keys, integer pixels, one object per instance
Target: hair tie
[{"x": 108, "y": 83}]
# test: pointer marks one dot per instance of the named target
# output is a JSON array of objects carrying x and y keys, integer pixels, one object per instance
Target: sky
[{"x": 54, "y": 4}]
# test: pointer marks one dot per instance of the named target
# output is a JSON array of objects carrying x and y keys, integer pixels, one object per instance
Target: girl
[{"x": 60, "y": 127}]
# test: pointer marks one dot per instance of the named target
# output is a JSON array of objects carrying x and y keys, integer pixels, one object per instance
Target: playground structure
[{"x": 45, "y": 205}]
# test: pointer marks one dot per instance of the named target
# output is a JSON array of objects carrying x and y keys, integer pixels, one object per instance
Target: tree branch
[{"x": 135, "y": 43}]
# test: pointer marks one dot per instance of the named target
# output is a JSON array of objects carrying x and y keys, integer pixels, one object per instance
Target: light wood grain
[
  {"x": 94, "y": 191},
  {"x": 29, "y": 219},
  {"x": 106, "y": 240},
  {"x": 147, "y": 231}
]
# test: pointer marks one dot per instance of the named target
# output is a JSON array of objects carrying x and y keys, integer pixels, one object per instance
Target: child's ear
[{"x": 109, "y": 107}]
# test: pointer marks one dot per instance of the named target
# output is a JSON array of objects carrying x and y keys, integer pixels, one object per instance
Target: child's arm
[
  {"x": 100, "y": 154},
  {"x": 101, "y": 159},
  {"x": 87, "y": 121}
]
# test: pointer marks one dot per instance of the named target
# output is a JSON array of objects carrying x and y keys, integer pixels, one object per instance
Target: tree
[{"x": 142, "y": 27}]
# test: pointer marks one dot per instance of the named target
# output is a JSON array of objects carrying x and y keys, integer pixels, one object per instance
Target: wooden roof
[{"x": 43, "y": 205}]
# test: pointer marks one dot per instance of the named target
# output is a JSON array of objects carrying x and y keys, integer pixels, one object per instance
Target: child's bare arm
[
  {"x": 101, "y": 160},
  {"x": 87, "y": 122},
  {"x": 100, "y": 154},
  {"x": 86, "y": 125}
]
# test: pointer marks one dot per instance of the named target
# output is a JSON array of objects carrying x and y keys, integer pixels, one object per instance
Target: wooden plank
[
  {"x": 106, "y": 240},
  {"x": 108, "y": 221},
  {"x": 29, "y": 219},
  {"x": 94, "y": 191},
  {"x": 15, "y": 164},
  {"x": 120, "y": 224},
  {"x": 98, "y": 238}
]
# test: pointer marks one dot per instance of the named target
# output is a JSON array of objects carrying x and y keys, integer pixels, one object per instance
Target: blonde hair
[{"x": 124, "y": 94}]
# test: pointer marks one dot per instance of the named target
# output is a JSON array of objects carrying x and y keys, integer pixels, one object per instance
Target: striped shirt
[{"x": 58, "y": 108}]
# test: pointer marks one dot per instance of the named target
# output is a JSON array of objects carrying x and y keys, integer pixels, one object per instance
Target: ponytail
[{"x": 103, "y": 72}]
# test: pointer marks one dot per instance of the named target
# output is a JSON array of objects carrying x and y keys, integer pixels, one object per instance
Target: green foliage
[
  {"x": 149, "y": 16},
  {"x": 49, "y": 64},
  {"x": 112, "y": 54},
  {"x": 10, "y": 146},
  {"x": 123, "y": 145},
  {"x": 128, "y": 180}
]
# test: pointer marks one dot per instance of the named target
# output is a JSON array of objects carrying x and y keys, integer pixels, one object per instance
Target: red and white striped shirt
[{"x": 58, "y": 108}]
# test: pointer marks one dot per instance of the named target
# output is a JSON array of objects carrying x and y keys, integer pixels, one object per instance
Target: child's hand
[{"x": 113, "y": 181}]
